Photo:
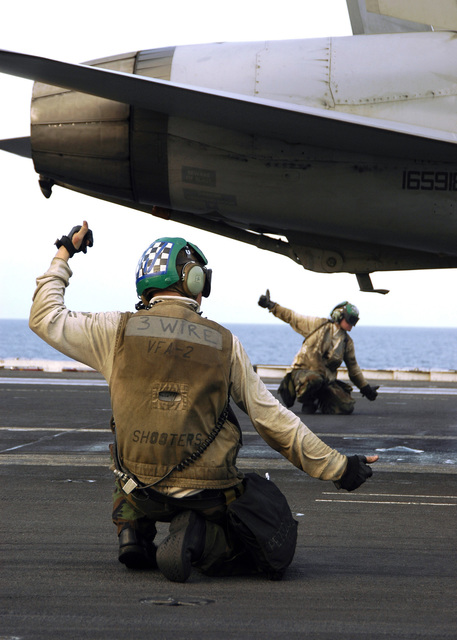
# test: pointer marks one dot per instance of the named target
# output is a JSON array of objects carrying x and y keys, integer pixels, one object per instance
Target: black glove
[
  {"x": 265, "y": 302},
  {"x": 370, "y": 393},
  {"x": 66, "y": 241},
  {"x": 356, "y": 473}
]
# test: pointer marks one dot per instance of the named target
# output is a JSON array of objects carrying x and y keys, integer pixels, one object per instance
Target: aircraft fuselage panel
[{"x": 266, "y": 183}]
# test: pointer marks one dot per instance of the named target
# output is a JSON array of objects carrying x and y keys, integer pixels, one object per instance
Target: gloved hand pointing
[
  {"x": 371, "y": 393},
  {"x": 357, "y": 472},
  {"x": 265, "y": 302}
]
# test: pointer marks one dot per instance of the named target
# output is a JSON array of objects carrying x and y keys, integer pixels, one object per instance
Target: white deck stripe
[{"x": 84, "y": 382}]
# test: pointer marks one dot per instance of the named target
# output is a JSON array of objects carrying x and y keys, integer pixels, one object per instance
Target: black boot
[
  {"x": 183, "y": 546},
  {"x": 136, "y": 552}
]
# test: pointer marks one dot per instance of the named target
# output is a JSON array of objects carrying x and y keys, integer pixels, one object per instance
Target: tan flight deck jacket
[
  {"x": 90, "y": 338},
  {"x": 327, "y": 347}
]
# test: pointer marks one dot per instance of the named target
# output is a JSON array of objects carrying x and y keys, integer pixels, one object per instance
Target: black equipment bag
[
  {"x": 262, "y": 520},
  {"x": 287, "y": 390}
]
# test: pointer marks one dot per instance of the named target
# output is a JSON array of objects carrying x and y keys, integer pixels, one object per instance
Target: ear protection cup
[
  {"x": 337, "y": 312},
  {"x": 193, "y": 278},
  {"x": 207, "y": 288}
]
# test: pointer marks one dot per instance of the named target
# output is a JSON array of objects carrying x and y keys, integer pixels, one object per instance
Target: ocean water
[{"x": 376, "y": 347}]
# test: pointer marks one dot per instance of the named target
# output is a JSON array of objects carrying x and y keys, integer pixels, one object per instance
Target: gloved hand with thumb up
[{"x": 265, "y": 302}]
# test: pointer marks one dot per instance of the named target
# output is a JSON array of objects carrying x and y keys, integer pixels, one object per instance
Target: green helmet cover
[
  {"x": 347, "y": 311},
  {"x": 157, "y": 268}
]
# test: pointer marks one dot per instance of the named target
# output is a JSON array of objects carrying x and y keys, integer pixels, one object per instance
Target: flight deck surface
[{"x": 379, "y": 562}]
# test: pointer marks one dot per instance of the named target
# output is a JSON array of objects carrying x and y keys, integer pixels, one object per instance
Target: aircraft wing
[
  {"x": 18, "y": 146},
  {"x": 285, "y": 121},
  {"x": 400, "y": 16}
]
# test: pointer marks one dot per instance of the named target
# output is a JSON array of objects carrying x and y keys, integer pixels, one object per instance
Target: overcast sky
[{"x": 104, "y": 278}]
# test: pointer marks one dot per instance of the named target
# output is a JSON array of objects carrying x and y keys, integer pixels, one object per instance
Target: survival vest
[{"x": 169, "y": 387}]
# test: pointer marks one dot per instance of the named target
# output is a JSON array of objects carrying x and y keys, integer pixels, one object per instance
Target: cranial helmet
[
  {"x": 347, "y": 311},
  {"x": 168, "y": 261}
]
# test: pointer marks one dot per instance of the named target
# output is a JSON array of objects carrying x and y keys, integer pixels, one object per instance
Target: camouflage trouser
[
  {"x": 312, "y": 388},
  {"x": 222, "y": 556}
]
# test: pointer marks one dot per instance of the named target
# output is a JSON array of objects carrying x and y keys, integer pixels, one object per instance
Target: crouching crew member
[{"x": 312, "y": 378}]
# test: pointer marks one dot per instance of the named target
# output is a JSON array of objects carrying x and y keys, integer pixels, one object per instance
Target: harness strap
[
  {"x": 233, "y": 493},
  {"x": 206, "y": 499}
]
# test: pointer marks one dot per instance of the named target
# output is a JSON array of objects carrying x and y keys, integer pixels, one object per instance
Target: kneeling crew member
[{"x": 171, "y": 374}]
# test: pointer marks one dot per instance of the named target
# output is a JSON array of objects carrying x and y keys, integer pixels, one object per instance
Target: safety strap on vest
[{"x": 316, "y": 329}]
